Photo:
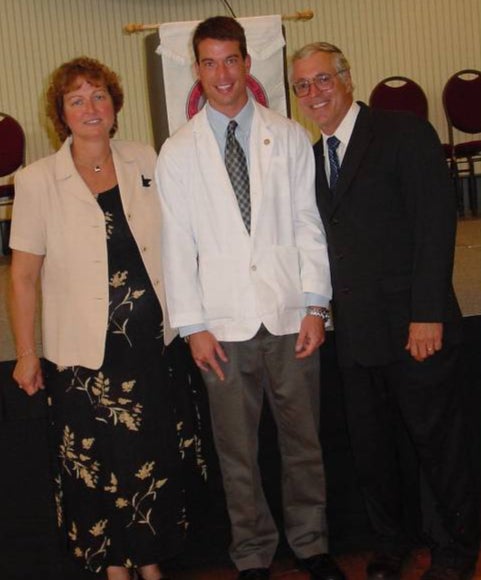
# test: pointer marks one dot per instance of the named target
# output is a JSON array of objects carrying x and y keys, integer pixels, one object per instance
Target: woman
[{"x": 87, "y": 218}]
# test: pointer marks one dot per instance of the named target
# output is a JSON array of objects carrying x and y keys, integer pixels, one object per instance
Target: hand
[
  {"x": 28, "y": 374},
  {"x": 311, "y": 335},
  {"x": 425, "y": 339},
  {"x": 205, "y": 349}
]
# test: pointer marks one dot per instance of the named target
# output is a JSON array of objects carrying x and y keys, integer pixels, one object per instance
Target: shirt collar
[
  {"x": 218, "y": 121},
  {"x": 346, "y": 127}
]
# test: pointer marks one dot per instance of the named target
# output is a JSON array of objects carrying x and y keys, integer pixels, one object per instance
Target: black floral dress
[{"x": 118, "y": 436}]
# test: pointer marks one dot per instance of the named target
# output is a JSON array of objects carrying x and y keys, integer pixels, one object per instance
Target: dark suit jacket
[{"x": 390, "y": 229}]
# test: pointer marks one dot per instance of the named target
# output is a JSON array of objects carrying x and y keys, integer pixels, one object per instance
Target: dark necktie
[
  {"x": 332, "y": 145},
  {"x": 236, "y": 165}
]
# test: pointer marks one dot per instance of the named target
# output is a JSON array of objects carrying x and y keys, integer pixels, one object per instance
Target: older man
[{"x": 387, "y": 205}]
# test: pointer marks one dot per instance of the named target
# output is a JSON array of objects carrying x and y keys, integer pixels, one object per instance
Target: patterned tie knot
[
  {"x": 332, "y": 143},
  {"x": 231, "y": 127}
]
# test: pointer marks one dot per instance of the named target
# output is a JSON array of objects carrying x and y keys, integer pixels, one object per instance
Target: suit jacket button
[
  {"x": 345, "y": 290},
  {"x": 334, "y": 221}
]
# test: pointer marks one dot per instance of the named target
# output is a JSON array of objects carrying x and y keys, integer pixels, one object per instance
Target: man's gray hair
[{"x": 340, "y": 61}]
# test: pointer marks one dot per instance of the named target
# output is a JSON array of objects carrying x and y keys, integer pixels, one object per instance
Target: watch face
[{"x": 325, "y": 315}]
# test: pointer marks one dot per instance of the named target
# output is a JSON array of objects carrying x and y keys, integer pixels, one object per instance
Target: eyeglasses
[{"x": 322, "y": 82}]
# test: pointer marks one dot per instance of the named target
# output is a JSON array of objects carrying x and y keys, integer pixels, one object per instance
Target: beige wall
[{"x": 427, "y": 40}]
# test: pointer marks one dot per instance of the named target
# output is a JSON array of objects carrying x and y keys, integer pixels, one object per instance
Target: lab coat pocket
[
  {"x": 281, "y": 286},
  {"x": 218, "y": 275}
]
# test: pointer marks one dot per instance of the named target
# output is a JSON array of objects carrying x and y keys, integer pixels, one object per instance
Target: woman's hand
[{"x": 28, "y": 374}]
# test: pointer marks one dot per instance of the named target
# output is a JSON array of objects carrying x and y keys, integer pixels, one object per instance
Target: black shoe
[
  {"x": 253, "y": 574},
  {"x": 138, "y": 576},
  {"x": 321, "y": 567},
  {"x": 385, "y": 566},
  {"x": 437, "y": 572}
]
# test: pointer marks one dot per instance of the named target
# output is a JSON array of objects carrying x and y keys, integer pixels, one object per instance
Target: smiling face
[
  {"x": 326, "y": 107},
  {"x": 88, "y": 110},
  {"x": 223, "y": 71}
]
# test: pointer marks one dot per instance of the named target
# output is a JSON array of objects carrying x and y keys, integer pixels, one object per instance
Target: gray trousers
[{"x": 235, "y": 405}]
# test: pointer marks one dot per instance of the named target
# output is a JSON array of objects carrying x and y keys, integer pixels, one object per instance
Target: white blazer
[
  {"x": 215, "y": 272},
  {"x": 56, "y": 216}
]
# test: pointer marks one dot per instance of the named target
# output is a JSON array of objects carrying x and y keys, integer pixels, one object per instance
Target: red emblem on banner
[{"x": 196, "y": 99}]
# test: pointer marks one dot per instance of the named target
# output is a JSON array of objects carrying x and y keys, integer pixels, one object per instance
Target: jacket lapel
[
  {"x": 262, "y": 146},
  {"x": 69, "y": 180},
  {"x": 211, "y": 163},
  {"x": 210, "y": 160},
  {"x": 358, "y": 144},
  {"x": 128, "y": 177}
]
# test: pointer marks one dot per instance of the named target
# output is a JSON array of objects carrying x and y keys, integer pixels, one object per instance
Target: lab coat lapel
[
  {"x": 262, "y": 143},
  {"x": 211, "y": 162}
]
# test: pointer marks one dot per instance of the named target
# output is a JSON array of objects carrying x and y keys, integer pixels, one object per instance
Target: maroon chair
[
  {"x": 462, "y": 106},
  {"x": 399, "y": 93},
  {"x": 12, "y": 157}
]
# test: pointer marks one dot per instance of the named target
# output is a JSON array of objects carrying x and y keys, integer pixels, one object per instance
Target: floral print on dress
[
  {"x": 119, "y": 313},
  {"x": 119, "y": 410},
  {"x": 94, "y": 554},
  {"x": 120, "y": 432},
  {"x": 109, "y": 225},
  {"x": 76, "y": 462}
]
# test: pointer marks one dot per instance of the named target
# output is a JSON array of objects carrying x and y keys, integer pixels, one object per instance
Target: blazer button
[
  {"x": 340, "y": 257},
  {"x": 334, "y": 221},
  {"x": 345, "y": 290}
]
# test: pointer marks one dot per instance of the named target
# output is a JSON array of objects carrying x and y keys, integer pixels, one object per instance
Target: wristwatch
[{"x": 319, "y": 311}]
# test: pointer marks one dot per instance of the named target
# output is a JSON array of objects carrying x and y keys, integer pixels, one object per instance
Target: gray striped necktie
[{"x": 236, "y": 165}]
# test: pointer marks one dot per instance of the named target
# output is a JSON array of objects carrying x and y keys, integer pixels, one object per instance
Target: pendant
[{"x": 97, "y": 168}]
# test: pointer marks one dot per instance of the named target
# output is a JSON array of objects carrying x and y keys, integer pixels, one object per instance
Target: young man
[
  {"x": 247, "y": 280},
  {"x": 385, "y": 198}
]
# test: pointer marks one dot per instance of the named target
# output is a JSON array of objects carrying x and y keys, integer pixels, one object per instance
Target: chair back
[
  {"x": 12, "y": 145},
  {"x": 462, "y": 101},
  {"x": 398, "y": 93}
]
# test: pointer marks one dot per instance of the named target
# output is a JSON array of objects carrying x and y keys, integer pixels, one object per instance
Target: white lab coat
[{"x": 215, "y": 272}]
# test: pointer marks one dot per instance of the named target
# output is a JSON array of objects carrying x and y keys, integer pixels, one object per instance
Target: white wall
[{"x": 427, "y": 40}]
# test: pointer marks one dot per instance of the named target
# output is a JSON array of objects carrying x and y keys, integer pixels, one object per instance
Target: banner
[{"x": 183, "y": 93}]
